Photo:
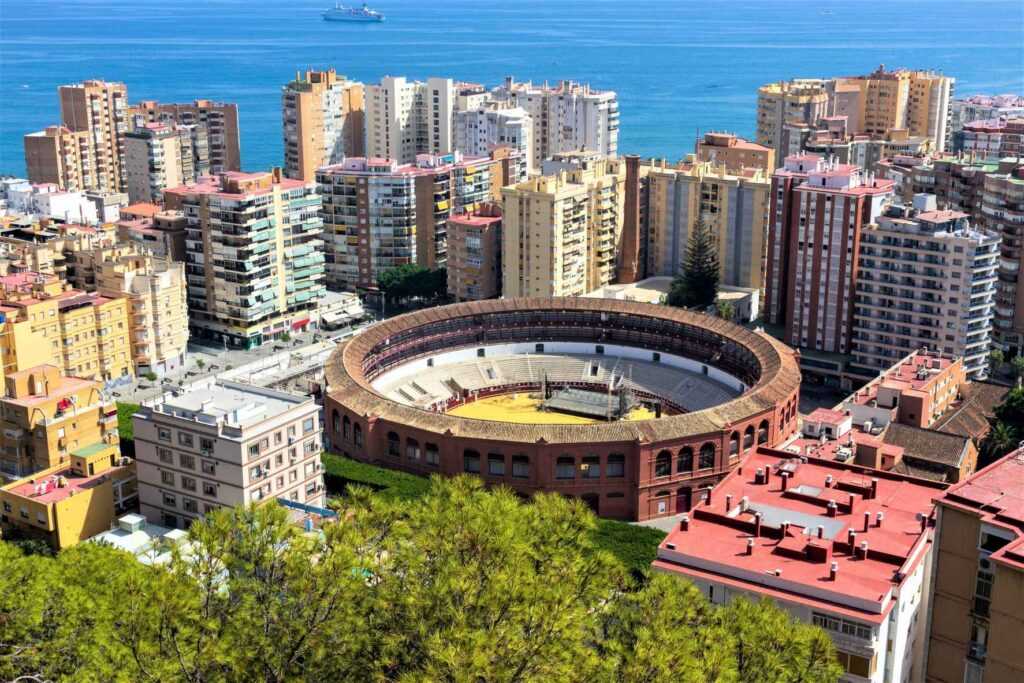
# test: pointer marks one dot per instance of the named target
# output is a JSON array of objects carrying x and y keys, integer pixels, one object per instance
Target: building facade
[
  {"x": 99, "y": 108},
  {"x": 925, "y": 279},
  {"x": 61, "y": 156},
  {"x": 213, "y": 128},
  {"x": 253, "y": 255},
  {"x": 1002, "y": 211},
  {"x": 474, "y": 253},
  {"x": 156, "y": 157},
  {"x": 979, "y": 107},
  {"x": 991, "y": 139},
  {"x": 735, "y": 153},
  {"x": 226, "y": 444},
  {"x": 479, "y": 130},
  {"x": 323, "y": 122},
  {"x": 408, "y": 118},
  {"x": 802, "y": 101}
]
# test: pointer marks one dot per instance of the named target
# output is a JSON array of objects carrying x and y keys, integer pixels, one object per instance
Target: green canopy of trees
[
  {"x": 411, "y": 280},
  {"x": 465, "y": 585},
  {"x": 1007, "y": 428},
  {"x": 696, "y": 284}
]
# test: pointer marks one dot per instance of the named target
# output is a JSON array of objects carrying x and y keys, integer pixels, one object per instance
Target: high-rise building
[
  {"x": 323, "y": 122},
  {"x": 61, "y": 156},
  {"x": 408, "y": 118},
  {"x": 734, "y": 153},
  {"x": 991, "y": 139},
  {"x": 975, "y": 620},
  {"x": 253, "y": 255},
  {"x": 817, "y": 212},
  {"x": 47, "y": 415},
  {"x": 99, "y": 108},
  {"x": 1002, "y": 210},
  {"x": 800, "y": 101},
  {"x": 479, "y": 130},
  {"x": 981, "y": 107},
  {"x": 83, "y": 334},
  {"x": 224, "y": 444},
  {"x": 957, "y": 183},
  {"x": 565, "y": 118},
  {"x": 157, "y": 156},
  {"x": 925, "y": 279},
  {"x": 833, "y": 544},
  {"x": 213, "y": 127},
  {"x": 379, "y": 213},
  {"x": 474, "y": 253}
]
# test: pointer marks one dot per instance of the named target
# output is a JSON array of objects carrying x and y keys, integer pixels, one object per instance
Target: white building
[
  {"x": 226, "y": 444},
  {"x": 47, "y": 200},
  {"x": 406, "y": 118},
  {"x": 926, "y": 279},
  {"x": 482, "y": 129},
  {"x": 565, "y": 118}
]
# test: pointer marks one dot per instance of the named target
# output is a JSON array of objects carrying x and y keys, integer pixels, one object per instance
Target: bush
[
  {"x": 151, "y": 376},
  {"x": 125, "y": 429}
]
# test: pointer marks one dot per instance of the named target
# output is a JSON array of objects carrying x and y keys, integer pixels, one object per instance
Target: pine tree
[{"x": 696, "y": 285}]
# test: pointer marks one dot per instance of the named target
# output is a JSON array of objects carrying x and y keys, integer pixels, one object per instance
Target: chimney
[
  {"x": 708, "y": 498},
  {"x": 750, "y": 546},
  {"x": 759, "y": 476},
  {"x": 768, "y": 474},
  {"x": 867, "y": 520},
  {"x": 878, "y": 519},
  {"x": 757, "y": 524},
  {"x": 785, "y": 479},
  {"x": 849, "y": 502},
  {"x": 821, "y": 531},
  {"x": 744, "y": 504},
  {"x": 832, "y": 508},
  {"x": 851, "y": 539},
  {"x": 785, "y": 528},
  {"x": 833, "y": 570},
  {"x": 728, "y": 502},
  {"x": 923, "y": 520},
  {"x": 684, "y": 523},
  {"x": 874, "y": 487},
  {"x": 863, "y": 553},
  {"x": 828, "y": 481}
]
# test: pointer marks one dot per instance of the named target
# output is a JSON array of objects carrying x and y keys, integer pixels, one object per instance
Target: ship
[{"x": 361, "y": 15}]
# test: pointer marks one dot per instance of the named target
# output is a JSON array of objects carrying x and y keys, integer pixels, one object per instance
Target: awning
[{"x": 300, "y": 323}]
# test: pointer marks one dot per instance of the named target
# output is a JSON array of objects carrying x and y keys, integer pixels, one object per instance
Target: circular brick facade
[{"x": 627, "y": 470}]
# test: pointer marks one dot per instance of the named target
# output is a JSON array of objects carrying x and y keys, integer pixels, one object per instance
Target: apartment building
[
  {"x": 567, "y": 117},
  {"x": 83, "y": 334},
  {"x": 956, "y": 181},
  {"x": 926, "y": 279},
  {"x": 802, "y": 101},
  {"x": 48, "y": 248},
  {"x": 253, "y": 255},
  {"x": 61, "y": 156},
  {"x": 474, "y": 253},
  {"x": 379, "y": 213},
  {"x": 1002, "y": 212},
  {"x": 47, "y": 415},
  {"x": 156, "y": 292},
  {"x": 226, "y": 444},
  {"x": 323, "y": 122},
  {"x": 734, "y": 153},
  {"x": 213, "y": 127},
  {"x": 833, "y": 138},
  {"x": 156, "y": 230},
  {"x": 407, "y": 118},
  {"x": 836, "y": 545},
  {"x": 481, "y": 129},
  {"x": 545, "y": 221},
  {"x": 72, "y": 502},
  {"x": 157, "y": 156},
  {"x": 99, "y": 108},
  {"x": 981, "y": 107},
  {"x": 732, "y": 203},
  {"x": 991, "y": 139},
  {"x": 975, "y": 621}
]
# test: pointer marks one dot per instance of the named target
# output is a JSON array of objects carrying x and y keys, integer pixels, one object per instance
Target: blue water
[{"x": 678, "y": 67}]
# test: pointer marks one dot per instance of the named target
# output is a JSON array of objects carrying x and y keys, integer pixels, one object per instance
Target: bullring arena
[{"x": 633, "y": 408}]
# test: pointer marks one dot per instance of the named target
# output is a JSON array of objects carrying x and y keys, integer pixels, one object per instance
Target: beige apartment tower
[
  {"x": 213, "y": 127},
  {"x": 322, "y": 116},
  {"x": 61, "y": 156},
  {"x": 154, "y": 160},
  {"x": 101, "y": 109},
  {"x": 406, "y": 118}
]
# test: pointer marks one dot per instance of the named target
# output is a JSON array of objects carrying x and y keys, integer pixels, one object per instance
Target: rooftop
[
  {"x": 914, "y": 373},
  {"x": 969, "y": 415},
  {"x": 57, "y": 485},
  {"x": 231, "y": 403},
  {"x": 149, "y": 543},
  {"x": 777, "y": 525}
]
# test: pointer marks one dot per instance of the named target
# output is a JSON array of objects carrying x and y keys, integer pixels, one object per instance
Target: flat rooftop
[
  {"x": 231, "y": 403},
  {"x": 797, "y": 539},
  {"x": 914, "y": 373},
  {"x": 58, "y": 485}
]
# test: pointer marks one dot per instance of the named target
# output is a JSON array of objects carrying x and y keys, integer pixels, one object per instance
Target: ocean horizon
[{"x": 679, "y": 69}]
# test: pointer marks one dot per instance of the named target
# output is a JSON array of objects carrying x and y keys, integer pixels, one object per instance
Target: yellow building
[
  {"x": 71, "y": 502},
  {"x": 83, "y": 334},
  {"x": 45, "y": 416}
]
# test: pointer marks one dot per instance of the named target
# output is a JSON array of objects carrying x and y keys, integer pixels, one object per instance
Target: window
[
  {"x": 748, "y": 437},
  {"x": 170, "y": 500},
  {"x": 308, "y": 425},
  {"x": 432, "y": 455},
  {"x": 163, "y": 434},
  {"x": 209, "y": 467},
  {"x": 734, "y": 444},
  {"x": 335, "y": 421},
  {"x": 565, "y": 467},
  {"x": 496, "y": 464},
  {"x": 663, "y": 464},
  {"x": 185, "y": 439},
  {"x": 346, "y": 427},
  {"x": 412, "y": 449},
  {"x": 844, "y": 626},
  {"x": 393, "y": 444},
  {"x": 983, "y": 593},
  {"x": 166, "y": 456},
  {"x": 254, "y": 450},
  {"x": 189, "y": 505},
  {"x": 357, "y": 435},
  {"x": 538, "y": 348},
  {"x": 520, "y": 467},
  {"x": 187, "y": 461},
  {"x": 707, "y": 456},
  {"x": 278, "y": 438},
  {"x": 856, "y": 665},
  {"x": 167, "y": 478},
  {"x": 616, "y": 466},
  {"x": 471, "y": 462},
  {"x": 685, "y": 461},
  {"x": 206, "y": 445},
  {"x": 762, "y": 432},
  {"x": 188, "y": 483},
  {"x": 209, "y": 489}
]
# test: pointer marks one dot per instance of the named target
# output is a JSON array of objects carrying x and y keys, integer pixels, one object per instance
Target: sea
[{"x": 680, "y": 68}]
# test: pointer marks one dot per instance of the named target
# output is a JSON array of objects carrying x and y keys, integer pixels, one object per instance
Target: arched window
[
  {"x": 734, "y": 443},
  {"x": 412, "y": 449},
  {"x": 565, "y": 467},
  {"x": 662, "y": 494},
  {"x": 663, "y": 464},
  {"x": 393, "y": 444},
  {"x": 616, "y": 466},
  {"x": 762, "y": 432},
  {"x": 471, "y": 461},
  {"x": 357, "y": 435},
  {"x": 433, "y": 457},
  {"x": 685, "y": 462},
  {"x": 520, "y": 467},
  {"x": 335, "y": 421},
  {"x": 591, "y": 467},
  {"x": 707, "y": 456},
  {"x": 748, "y": 437},
  {"x": 346, "y": 427}
]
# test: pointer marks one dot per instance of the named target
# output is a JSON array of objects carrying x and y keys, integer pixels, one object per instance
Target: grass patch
[{"x": 634, "y": 546}]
